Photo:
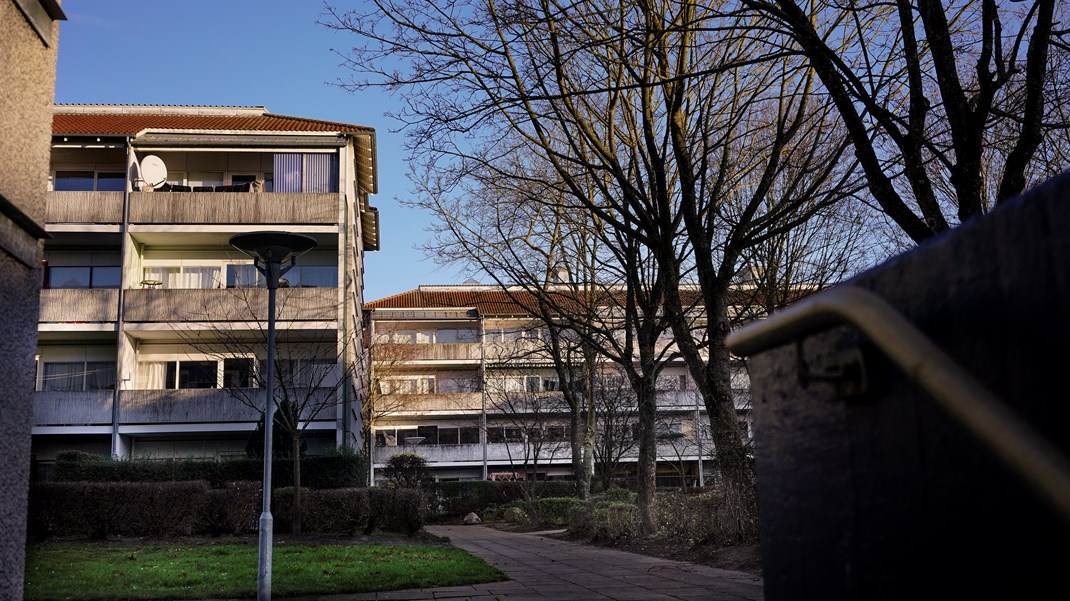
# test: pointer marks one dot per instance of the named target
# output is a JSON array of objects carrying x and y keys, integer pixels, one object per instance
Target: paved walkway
[{"x": 549, "y": 569}]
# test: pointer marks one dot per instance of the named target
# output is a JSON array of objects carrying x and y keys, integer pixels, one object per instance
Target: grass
[{"x": 140, "y": 571}]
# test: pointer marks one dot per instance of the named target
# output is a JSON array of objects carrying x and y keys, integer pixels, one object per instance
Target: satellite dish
[{"x": 153, "y": 171}]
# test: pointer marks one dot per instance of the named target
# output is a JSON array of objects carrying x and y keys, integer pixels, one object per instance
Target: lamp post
[{"x": 269, "y": 250}]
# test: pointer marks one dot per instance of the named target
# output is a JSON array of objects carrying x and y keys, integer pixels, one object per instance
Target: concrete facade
[{"x": 29, "y": 32}]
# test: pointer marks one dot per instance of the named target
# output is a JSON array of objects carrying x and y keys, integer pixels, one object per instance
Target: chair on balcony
[
  {"x": 203, "y": 188},
  {"x": 178, "y": 188}
]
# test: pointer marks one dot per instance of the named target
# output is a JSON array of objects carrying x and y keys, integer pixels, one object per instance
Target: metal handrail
[{"x": 1024, "y": 450}]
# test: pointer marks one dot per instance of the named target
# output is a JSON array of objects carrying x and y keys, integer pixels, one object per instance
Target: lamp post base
[{"x": 263, "y": 574}]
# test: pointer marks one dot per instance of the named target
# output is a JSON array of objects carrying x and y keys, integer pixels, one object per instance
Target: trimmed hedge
[
  {"x": 454, "y": 500},
  {"x": 339, "y": 470},
  {"x": 103, "y": 509}
]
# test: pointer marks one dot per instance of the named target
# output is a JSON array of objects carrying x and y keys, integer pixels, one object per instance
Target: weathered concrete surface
[
  {"x": 27, "y": 82},
  {"x": 886, "y": 497}
]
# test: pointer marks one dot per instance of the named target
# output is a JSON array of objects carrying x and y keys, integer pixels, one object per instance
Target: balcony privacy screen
[{"x": 306, "y": 172}]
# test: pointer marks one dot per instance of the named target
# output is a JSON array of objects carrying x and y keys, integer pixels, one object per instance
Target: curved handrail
[{"x": 1042, "y": 465}]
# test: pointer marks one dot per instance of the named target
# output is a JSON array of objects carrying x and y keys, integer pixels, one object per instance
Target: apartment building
[
  {"x": 152, "y": 326},
  {"x": 462, "y": 376}
]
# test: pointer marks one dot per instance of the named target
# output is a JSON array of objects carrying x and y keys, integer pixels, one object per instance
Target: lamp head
[{"x": 273, "y": 247}]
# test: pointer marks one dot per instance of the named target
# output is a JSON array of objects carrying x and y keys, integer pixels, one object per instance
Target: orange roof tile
[{"x": 119, "y": 124}]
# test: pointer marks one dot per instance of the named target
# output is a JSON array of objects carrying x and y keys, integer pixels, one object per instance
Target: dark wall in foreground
[
  {"x": 885, "y": 497},
  {"x": 27, "y": 81}
]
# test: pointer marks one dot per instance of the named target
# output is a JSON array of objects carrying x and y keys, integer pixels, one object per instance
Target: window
[
  {"x": 550, "y": 383},
  {"x": 88, "y": 181},
  {"x": 306, "y": 172},
  {"x": 238, "y": 373},
  {"x": 168, "y": 375},
  {"x": 457, "y": 385},
  {"x": 449, "y": 436},
  {"x": 407, "y": 385},
  {"x": 244, "y": 276},
  {"x": 84, "y": 277},
  {"x": 531, "y": 383},
  {"x": 185, "y": 277},
  {"x": 78, "y": 376},
  {"x": 469, "y": 435},
  {"x": 313, "y": 276},
  {"x": 446, "y": 335}
]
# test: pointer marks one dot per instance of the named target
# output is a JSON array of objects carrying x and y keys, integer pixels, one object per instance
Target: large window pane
[
  {"x": 73, "y": 181},
  {"x": 68, "y": 277},
  {"x": 243, "y": 276},
  {"x": 111, "y": 182},
  {"x": 313, "y": 276},
  {"x": 63, "y": 376},
  {"x": 197, "y": 374},
  {"x": 100, "y": 375},
  {"x": 106, "y": 277},
  {"x": 237, "y": 373}
]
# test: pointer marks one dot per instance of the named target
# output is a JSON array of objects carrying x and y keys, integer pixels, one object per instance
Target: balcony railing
[
  {"x": 84, "y": 207},
  {"x": 90, "y": 408},
  {"x": 212, "y": 405},
  {"x": 79, "y": 305},
  {"x": 448, "y": 402},
  {"x": 496, "y": 452},
  {"x": 229, "y": 304},
  {"x": 233, "y": 208},
  {"x": 448, "y": 351}
]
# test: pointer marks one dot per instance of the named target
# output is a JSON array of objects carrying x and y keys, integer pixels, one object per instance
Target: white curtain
[{"x": 151, "y": 375}]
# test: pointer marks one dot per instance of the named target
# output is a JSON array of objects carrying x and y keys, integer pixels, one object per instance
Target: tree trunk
[
  {"x": 648, "y": 454},
  {"x": 296, "y": 438}
]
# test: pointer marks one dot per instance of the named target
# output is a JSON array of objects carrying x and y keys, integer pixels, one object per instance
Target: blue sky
[{"x": 241, "y": 52}]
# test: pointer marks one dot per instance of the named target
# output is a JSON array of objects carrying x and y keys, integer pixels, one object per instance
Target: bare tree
[
  {"x": 686, "y": 144},
  {"x": 947, "y": 104},
  {"x": 314, "y": 370},
  {"x": 616, "y": 425}
]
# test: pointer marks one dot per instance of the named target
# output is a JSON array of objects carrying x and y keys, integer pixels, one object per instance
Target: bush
[
  {"x": 454, "y": 500},
  {"x": 615, "y": 520},
  {"x": 101, "y": 509},
  {"x": 406, "y": 470},
  {"x": 334, "y": 511},
  {"x": 555, "y": 511},
  {"x": 341, "y": 469},
  {"x": 515, "y": 515},
  {"x": 232, "y": 509},
  {"x": 581, "y": 520},
  {"x": 618, "y": 495},
  {"x": 396, "y": 510}
]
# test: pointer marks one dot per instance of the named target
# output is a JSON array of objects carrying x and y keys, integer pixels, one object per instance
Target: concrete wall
[
  {"x": 887, "y": 497},
  {"x": 27, "y": 83}
]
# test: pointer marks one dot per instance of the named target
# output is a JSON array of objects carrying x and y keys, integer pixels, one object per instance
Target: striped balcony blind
[{"x": 306, "y": 172}]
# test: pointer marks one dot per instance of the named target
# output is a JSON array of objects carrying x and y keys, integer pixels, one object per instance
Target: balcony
[
  {"x": 239, "y": 208},
  {"x": 83, "y": 207},
  {"x": 449, "y": 351},
  {"x": 438, "y": 403},
  {"x": 79, "y": 305},
  {"x": 473, "y": 453},
  {"x": 229, "y": 304},
  {"x": 90, "y": 408},
  {"x": 212, "y": 405}
]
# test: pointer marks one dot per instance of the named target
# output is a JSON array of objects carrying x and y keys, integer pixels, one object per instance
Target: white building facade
[
  {"x": 151, "y": 330},
  {"x": 461, "y": 376}
]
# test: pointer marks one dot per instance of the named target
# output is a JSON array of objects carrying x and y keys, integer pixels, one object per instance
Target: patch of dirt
[{"x": 740, "y": 558}]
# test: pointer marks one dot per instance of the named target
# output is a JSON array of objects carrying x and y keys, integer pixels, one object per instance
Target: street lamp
[{"x": 269, "y": 250}]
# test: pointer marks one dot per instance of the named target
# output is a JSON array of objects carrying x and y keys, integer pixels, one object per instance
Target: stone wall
[{"x": 885, "y": 496}]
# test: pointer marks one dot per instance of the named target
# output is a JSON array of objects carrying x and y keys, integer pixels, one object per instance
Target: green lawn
[{"x": 164, "y": 571}]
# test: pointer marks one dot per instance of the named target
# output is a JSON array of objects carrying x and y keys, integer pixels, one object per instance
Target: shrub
[
  {"x": 618, "y": 495},
  {"x": 555, "y": 511},
  {"x": 406, "y": 470},
  {"x": 615, "y": 520},
  {"x": 396, "y": 510},
  {"x": 581, "y": 520},
  {"x": 454, "y": 500},
  {"x": 341, "y": 469},
  {"x": 100, "y": 509},
  {"x": 515, "y": 515},
  {"x": 334, "y": 511},
  {"x": 232, "y": 509}
]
